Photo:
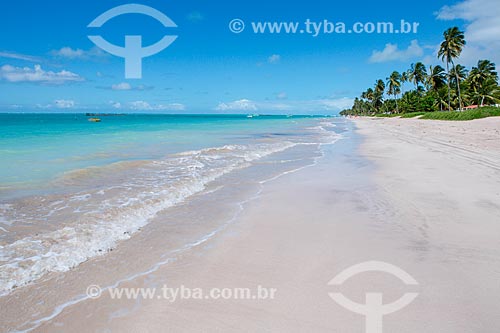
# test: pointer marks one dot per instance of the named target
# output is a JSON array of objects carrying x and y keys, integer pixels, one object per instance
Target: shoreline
[
  {"x": 173, "y": 232},
  {"x": 407, "y": 192},
  {"x": 95, "y": 208}
]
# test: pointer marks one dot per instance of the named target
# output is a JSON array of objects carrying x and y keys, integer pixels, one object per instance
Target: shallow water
[{"x": 60, "y": 217}]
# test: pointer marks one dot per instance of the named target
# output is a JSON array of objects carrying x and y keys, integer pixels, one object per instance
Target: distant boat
[{"x": 94, "y": 120}]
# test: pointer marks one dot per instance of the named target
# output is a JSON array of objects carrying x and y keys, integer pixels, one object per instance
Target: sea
[{"x": 73, "y": 189}]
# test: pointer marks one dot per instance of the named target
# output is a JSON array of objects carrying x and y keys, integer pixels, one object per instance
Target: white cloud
[
  {"x": 302, "y": 106},
  {"x": 481, "y": 30},
  {"x": 70, "y": 53},
  {"x": 145, "y": 106},
  {"x": 13, "y": 106},
  {"x": 64, "y": 103},
  {"x": 121, "y": 86},
  {"x": 141, "y": 105},
  {"x": 116, "y": 105},
  {"x": 239, "y": 105},
  {"x": 58, "y": 104},
  {"x": 127, "y": 86},
  {"x": 37, "y": 75},
  {"x": 18, "y": 56},
  {"x": 281, "y": 95},
  {"x": 274, "y": 59},
  {"x": 391, "y": 52},
  {"x": 336, "y": 104}
]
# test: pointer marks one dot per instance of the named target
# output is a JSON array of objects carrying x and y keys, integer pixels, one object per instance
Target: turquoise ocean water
[
  {"x": 36, "y": 148},
  {"x": 71, "y": 189}
]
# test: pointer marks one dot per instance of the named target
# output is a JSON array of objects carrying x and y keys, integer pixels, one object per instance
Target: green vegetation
[
  {"x": 413, "y": 114},
  {"x": 387, "y": 115},
  {"x": 435, "y": 89},
  {"x": 464, "y": 115},
  {"x": 401, "y": 115}
]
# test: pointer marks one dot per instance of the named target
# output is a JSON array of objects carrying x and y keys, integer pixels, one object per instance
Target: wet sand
[{"x": 421, "y": 195}]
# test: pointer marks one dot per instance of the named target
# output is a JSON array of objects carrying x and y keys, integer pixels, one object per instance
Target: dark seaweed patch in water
[{"x": 270, "y": 135}]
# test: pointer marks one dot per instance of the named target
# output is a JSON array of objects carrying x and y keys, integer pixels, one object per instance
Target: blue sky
[{"x": 48, "y": 64}]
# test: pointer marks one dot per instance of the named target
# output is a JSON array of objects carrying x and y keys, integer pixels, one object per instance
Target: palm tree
[
  {"x": 393, "y": 86},
  {"x": 404, "y": 79},
  {"x": 482, "y": 80},
  {"x": 437, "y": 78},
  {"x": 378, "y": 95},
  {"x": 368, "y": 94},
  {"x": 440, "y": 97},
  {"x": 458, "y": 74},
  {"x": 486, "y": 92},
  {"x": 485, "y": 69},
  {"x": 450, "y": 49},
  {"x": 418, "y": 74}
]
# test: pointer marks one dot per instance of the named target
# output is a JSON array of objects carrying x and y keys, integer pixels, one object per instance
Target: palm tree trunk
[
  {"x": 458, "y": 89},
  {"x": 449, "y": 88},
  {"x": 397, "y": 108},
  {"x": 459, "y": 93}
]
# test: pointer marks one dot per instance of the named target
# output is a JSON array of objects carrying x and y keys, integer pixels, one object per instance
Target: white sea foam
[
  {"x": 93, "y": 222},
  {"x": 4, "y": 208},
  {"x": 243, "y": 154},
  {"x": 111, "y": 215}
]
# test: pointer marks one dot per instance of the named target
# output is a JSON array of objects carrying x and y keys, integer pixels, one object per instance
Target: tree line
[{"x": 435, "y": 88}]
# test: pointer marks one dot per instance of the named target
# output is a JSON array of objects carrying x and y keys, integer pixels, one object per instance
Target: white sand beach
[
  {"x": 421, "y": 195},
  {"x": 253, "y": 167}
]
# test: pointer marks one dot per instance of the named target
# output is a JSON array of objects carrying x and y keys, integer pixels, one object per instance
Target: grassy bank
[
  {"x": 402, "y": 115},
  {"x": 413, "y": 114},
  {"x": 483, "y": 112},
  {"x": 387, "y": 115},
  {"x": 464, "y": 115}
]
